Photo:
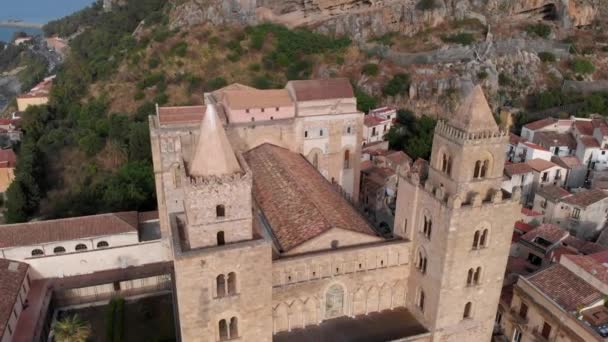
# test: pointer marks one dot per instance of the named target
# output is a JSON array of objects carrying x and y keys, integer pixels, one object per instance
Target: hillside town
[{"x": 297, "y": 172}]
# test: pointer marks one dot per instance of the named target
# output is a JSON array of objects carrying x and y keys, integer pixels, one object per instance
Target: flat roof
[{"x": 382, "y": 326}]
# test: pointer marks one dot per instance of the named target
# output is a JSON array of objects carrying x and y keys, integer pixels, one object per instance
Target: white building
[
  {"x": 519, "y": 175},
  {"x": 377, "y": 123}
]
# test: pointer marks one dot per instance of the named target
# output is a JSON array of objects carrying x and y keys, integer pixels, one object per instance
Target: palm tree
[{"x": 71, "y": 329}]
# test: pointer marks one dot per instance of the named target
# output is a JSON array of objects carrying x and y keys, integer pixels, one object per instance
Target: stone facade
[{"x": 232, "y": 280}]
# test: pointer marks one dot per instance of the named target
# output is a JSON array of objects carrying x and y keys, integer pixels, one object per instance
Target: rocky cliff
[{"x": 361, "y": 19}]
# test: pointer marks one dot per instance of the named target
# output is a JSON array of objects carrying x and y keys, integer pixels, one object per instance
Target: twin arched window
[
  {"x": 346, "y": 159},
  {"x": 229, "y": 332},
  {"x": 225, "y": 285},
  {"x": 480, "y": 239},
  {"x": 481, "y": 168},
  {"x": 474, "y": 276},
  {"x": 446, "y": 164},
  {"x": 421, "y": 264}
]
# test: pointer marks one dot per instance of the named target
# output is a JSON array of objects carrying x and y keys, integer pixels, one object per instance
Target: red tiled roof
[
  {"x": 567, "y": 162},
  {"x": 366, "y": 164},
  {"x": 514, "y": 139},
  {"x": 592, "y": 266},
  {"x": 32, "y": 233},
  {"x": 181, "y": 115},
  {"x": 584, "y": 127},
  {"x": 564, "y": 287},
  {"x": 371, "y": 120},
  {"x": 548, "y": 139},
  {"x": 530, "y": 212},
  {"x": 540, "y": 123},
  {"x": 523, "y": 227},
  {"x": 517, "y": 169},
  {"x": 311, "y": 90},
  {"x": 7, "y": 158},
  {"x": 588, "y": 141},
  {"x": 534, "y": 146},
  {"x": 42, "y": 89},
  {"x": 147, "y": 216},
  {"x": 540, "y": 164},
  {"x": 556, "y": 254},
  {"x": 553, "y": 192},
  {"x": 399, "y": 157},
  {"x": 549, "y": 232},
  {"x": 12, "y": 274},
  {"x": 586, "y": 197},
  {"x": 297, "y": 201}
]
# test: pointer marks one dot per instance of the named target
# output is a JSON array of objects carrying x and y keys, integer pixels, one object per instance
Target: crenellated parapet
[{"x": 465, "y": 138}]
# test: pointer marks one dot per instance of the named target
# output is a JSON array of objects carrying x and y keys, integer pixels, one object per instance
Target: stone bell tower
[
  {"x": 222, "y": 270},
  {"x": 461, "y": 225}
]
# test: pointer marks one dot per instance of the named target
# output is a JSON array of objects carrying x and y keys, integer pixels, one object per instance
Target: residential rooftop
[
  {"x": 586, "y": 197},
  {"x": 12, "y": 274}
]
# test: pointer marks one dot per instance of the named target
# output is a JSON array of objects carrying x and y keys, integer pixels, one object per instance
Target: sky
[{"x": 39, "y": 11}]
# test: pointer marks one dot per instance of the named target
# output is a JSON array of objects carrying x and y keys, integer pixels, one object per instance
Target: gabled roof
[
  {"x": 474, "y": 114},
  {"x": 584, "y": 127},
  {"x": 586, "y": 197},
  {"x": 514, "y": 139},
  {"x": 540, "y": 124},
  {"x": 540, "y": 164},
  {"x": 534, "y": 146},
  {"x": 567, "y": 162},
  {"x": 372, "y": 120},
  {"x": 517, "y": 169},
  {"x": 399, "y": 157},
  {"x": 268, "y": 98},
  {"x": 523, "y": 227},
  {"x": 594, "y": 264},
  {"x": 530, "y": 212},
  {"x": 564, "y": 287},
  {"x": 7, "y": 158},
  {"x": 548, "y": 232},
  {"x": 12, "y": 274},
  {"x": 321, "y": 89},
  {"x": 213, "y": 155},
  {"x": 589, "y": 141},
  {"x": 181, "y": 114},
  {"x": 553, "y": 192},
  {"x": 297, "y": 201},
  {"x": 38, "y": 232},
  {"x": 549, "y": 139}
]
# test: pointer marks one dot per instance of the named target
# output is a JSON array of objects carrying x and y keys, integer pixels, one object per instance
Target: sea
[{"x": 36, "y": 11}]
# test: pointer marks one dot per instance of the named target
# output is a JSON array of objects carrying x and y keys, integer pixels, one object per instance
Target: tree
[
  {"x": 399, "y": 84},
  {"x": 71, "y": 329},
  {"x": 365, "y": 101},
  {"x": 411, "y": 134}
]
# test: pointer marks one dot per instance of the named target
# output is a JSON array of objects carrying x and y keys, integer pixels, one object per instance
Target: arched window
[
  {"x": 444, "y": 162},
  {"x": 470, "y": 277},
  {"x": 223, "y": 330},
  {"x": 58, "y": 250},
  {"x": 231, "y": 283},
  {"x": 424, "y": 265},
  {"x": 421, "y": 300},
  {"x": 315, "y": 160},
  {"x": 428, "y": 227},
  {"x": 81, "y": 247},
  {"x": 484, "y": 168},
  {"x": 348, "y": 130},
  {"x": 484, "y": 238},
  {"x": 37, "y": 252},
  {"x": 476, "y": 240},
  {"x": 234, "y": 329},
  {"x": 449, "y": 170},
  {"x": 477, "y": 275},
  {"x": 220, "y": 210},
  {"x": 346, "y": 159},
  {"x": 477, "y": 169},
  {"x": 467, "y": 310},
  {"x": 220, "y": 238},
  {"x": 220, "y": 285},
  {"x": 102, "y": 244},
  {"x": 305, "y": 134},
  {"x": 334, "y": 301}
]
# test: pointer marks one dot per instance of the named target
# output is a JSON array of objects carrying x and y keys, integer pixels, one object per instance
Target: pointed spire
[
  {"x": 474, "y": 114},
  {"x": 213, "y": 155}
]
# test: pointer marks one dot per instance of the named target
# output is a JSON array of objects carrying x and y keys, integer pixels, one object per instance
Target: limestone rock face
[{"x": 361, "y": 19}]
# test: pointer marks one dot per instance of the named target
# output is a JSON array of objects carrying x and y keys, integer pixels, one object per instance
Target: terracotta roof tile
[
  {"x": 32, "y": 233},
  {"x": 586, "y": 197},
  {"x": 517, "y": 169},
  {"x": 530, "y": 212},
  {"x": 564, "y": 287},
  {"x": 592, "y": 266},
  {"x": 548, "y": 139},
  {"x": 540, "y": 164},
  {"x": 584, "y": 127},
  {"x": 311, "y": 90},
  {"x": 548, "y": 232},
  {"x": 523, "y": 227},
  {"x": 297, "y": 201},
  {"x": 540, "y": 123},
  {"x": 399, "y": 158},
  {"x": 267, "y": 98},
  {"x": 553, "y": 192},
  {"x": 371, "y": 120},
  {"x": 181, "y": 115},
  {"x": 589, "y": 141},
  {"x": 12, "y": 274},
  {"x": 534, "y": 146},
  {"x": 514, "y": 139},
  {"x": 567, "y": 162}
]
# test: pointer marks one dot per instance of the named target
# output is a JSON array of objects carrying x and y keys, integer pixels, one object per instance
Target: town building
[
  {"x": 8, "y": 161},
  {"x": 377, "y": 123},
  {"x": 39, "y": 95}
]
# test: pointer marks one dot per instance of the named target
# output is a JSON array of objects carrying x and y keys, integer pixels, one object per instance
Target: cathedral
[{"x": 256, "y": 192}]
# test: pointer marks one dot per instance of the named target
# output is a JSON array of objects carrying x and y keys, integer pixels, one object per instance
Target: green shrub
[
  {"x": 582, "y": 66},
  {"x": 255, "y": 67},
  {"x": 504, "y": 80},
  {"x": 91, "y": 144},
  {"x": 262, "y": 82},
  {"x": 216, "y": 83},
  {"x": 161, "y": 99},
  {"x": 153, "y": 62},
  {"x": 109, "y": 320},
  {"x": 399, "y": 84},
  {"x": 605, "y": 49},
  {"x": 160, "y": 34},
  {"x": 151, "y": 79},
  {"x": 385, "y": 39},
  {"x": 546, "y": 56},
  {"x": 194, "y": 82},
  {"x": 139, "y": 95},
  {"x": 365, "y": 101},
  {"x": 463, "y": 38},
  {"x": 540, "y": 30},
  {"x": 482, "y": 75},
  {"x": 257, "y": 40},
  {"x": 180, "y": 49},
  {"x": 426, "y": 5},
  {"x": 370, "y": 69}
]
